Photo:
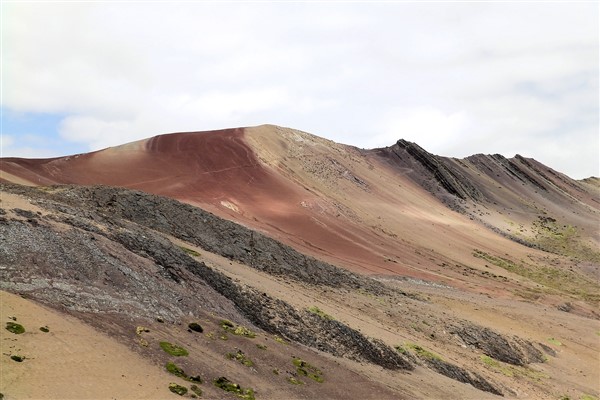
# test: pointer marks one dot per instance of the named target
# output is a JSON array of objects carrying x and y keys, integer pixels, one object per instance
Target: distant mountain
[{"x": 397, "y": 273}]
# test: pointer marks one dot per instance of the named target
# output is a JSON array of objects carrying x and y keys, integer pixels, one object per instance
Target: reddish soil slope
[
  {"x": 482, "y": 242},
  {"x": 375, "y": 212}
]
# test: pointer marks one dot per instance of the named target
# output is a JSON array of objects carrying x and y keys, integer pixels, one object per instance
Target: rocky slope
[
  {"x": 109, "y": 257},
  {"x": 518, "y": 197},
  {"x": 386, "y": 268}
]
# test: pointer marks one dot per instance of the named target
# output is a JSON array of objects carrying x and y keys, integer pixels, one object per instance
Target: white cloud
[
  {"x": 24, "y": 146},
  {"x": 429, "y": 127},
  {"x": 457, "y": 78}
]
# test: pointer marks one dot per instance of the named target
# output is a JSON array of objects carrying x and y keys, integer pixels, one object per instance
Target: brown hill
[
  {"x": 374, "y": 212},
  {"x": 473, "y": 247}
]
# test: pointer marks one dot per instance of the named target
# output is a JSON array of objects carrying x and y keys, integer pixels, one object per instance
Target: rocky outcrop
[
  {"x": 105, "y": 263},
  {"x": 462, "y": 375},
  {"x": 213, "y": 234},
  {"x": 514, "y": 350},
  {"x": 450, "y": 179}
]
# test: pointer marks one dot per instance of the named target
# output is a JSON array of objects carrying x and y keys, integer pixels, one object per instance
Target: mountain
[{"x": 386, "y": 268}]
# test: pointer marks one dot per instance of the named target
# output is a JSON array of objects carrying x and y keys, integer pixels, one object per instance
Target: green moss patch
[
  {"x": 191, "y": 252},
  {"x": 423, "y": 353},
  {"x": 588, "y": 397},
  {"x": 243, "y": 331},
  {"x": 305, "y": 369},
  {"x": 226, "y": 324},
  {"x": 240, "y": 357},
  {"x": 177, "y": 389},
  {"x": 15, "y": 328},
  {"x": 175, "y": 370},
  {"x": 196, "y": 390},
  {"x": 236, "y": 330},
  {"x": 228, "y": 386},
  {"x": 555, "y": 342},
  {"x": 513, "y": 370},
  {"x": 179, "y": 372},
  {"x": 316, "y": 310},
  {"x": 279, "y": 339},
  {"x": 400, "y": 349},
  {"x": 294, "y": 381},
  {"x": 173, "y": 349},
  {"x": 495, "y": 364}
]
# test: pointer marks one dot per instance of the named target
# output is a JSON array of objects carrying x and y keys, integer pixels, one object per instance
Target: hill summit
[{"x": 314, "y": 269}]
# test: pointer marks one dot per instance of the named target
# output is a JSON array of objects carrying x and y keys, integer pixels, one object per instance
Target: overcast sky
[{"x": 456, "y": 78}]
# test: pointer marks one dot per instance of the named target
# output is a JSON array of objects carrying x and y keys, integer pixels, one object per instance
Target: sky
[{"x": 457, "y": 78}]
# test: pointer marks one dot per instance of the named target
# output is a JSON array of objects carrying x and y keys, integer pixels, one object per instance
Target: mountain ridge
[{"x": 476, "y": 275}]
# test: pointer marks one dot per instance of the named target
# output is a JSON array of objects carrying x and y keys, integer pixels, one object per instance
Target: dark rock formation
[
  {"x": 514, "y": 351},
  {"x": 107, "y": 263},
  {"x": 462, "y": 375},
  {"x": 213, "y": 234}
]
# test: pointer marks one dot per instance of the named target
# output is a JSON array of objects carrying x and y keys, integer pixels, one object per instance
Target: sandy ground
[
  {"x": 71, "y": 361},
  {"x": 399, "y": 321}
]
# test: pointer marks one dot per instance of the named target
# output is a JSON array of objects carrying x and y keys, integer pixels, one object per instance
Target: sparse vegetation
[
  {"x": 562, "y": 239},
  {"x": 305, "y": 369},
  {"x": 554, "y": 341},
  {"x": 175, "y": 370},
  {"x": 294, "y": 381},
  {"x": 196, "y": 390},
  {"x": 243, "y": 331},
  {"x": 226, "y": 324},
  {"x": 177, "y": 389},
  {"x": 180, "y": 373},
  {"x": 261, "y": 346},
  {"x": 586, "y": 396},
  {"x": 279, "y": 339},
  {"x": 140, "y": 329},
  {"x": 236, "y": 330},
  {"x": 240, "y": 357},
  {"x": 17, "y": 358},
  {"x": 423, "y": 353},
  {"x": 551, "y": 277},
  {"x": 15, "y": 328},
  {"x": 495, "y": 364},
  {"x": 44, "y": 329},
  {"x": 189, "y": 251},
  {"x": 316, "y": 310},
  {"x": 400, "y": 349},
  {"x": 513, "y": 370},
  {"x": 173, "y": 349},
  {"x": 228, "y": 386}
]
